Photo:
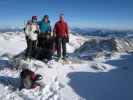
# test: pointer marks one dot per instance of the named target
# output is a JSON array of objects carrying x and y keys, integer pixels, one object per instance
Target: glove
[
  {"x": 39, "y": 77},
  {"x": 36, "y": 32},
  {"x": 67, "y": 39}
]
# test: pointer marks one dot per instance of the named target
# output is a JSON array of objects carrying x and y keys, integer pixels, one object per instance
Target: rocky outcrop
[{"x": 105, "y": 47}]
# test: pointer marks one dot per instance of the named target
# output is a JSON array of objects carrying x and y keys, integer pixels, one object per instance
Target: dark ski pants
[
  {"x": 44, "y": 53},
  {"x": 30, "y": 48},
  {"x": 41, "y": 40},
  {"x": 27, "y": 42},
  {"x": 61, "y": 47},
  {"x": 47, "y": 54}
]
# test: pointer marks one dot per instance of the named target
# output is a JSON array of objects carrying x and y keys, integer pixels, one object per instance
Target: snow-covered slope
[
  {"x": 81, "y": 80},
  {"x": 10, "y": 43}
]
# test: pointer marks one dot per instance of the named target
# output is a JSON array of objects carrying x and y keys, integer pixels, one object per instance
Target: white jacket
[{"x": 30, "y": 31}]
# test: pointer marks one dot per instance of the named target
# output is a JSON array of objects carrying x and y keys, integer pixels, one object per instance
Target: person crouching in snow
[
  {"x": 32, "y": 31},
  {"x": 29, "y": 79}
]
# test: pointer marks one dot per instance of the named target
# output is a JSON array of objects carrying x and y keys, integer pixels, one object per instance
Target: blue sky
[{"x": 116, "y": 14}]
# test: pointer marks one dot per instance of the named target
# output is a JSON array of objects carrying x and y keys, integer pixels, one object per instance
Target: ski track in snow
[{"x": 89, "y": 80}]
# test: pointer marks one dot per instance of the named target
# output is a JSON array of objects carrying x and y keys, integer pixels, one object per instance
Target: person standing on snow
[
  {"x": 31, "y": 31},
  {"x": 45, "y": 29},
  {"x": 61, "y": 35},
  {"x": 45, "y": 41}
]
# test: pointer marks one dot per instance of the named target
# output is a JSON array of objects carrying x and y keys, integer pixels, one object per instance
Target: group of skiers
[{"x": 42, "y": 42}]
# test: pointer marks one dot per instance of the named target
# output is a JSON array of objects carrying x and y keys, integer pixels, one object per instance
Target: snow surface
[{"x": 108, "y": 79}]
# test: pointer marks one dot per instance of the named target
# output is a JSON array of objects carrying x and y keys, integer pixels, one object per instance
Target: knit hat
[{"x": 34, "y": 17}]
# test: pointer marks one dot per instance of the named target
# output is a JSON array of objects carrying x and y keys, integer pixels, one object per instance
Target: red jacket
[{"x": 61, "y": 29}]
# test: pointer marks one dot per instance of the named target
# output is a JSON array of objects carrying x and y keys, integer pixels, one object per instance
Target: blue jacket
[{"x": 44, "y": 27}]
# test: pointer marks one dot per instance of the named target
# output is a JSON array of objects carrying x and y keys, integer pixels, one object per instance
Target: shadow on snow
[
  {"x": 5, "y": 64},
  {"x": 12, "y": 83},
  {"x": 116, "y": 84}
]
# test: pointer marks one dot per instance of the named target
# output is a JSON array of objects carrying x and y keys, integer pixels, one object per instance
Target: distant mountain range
[
  {"x": 101, "y": 32},
  {"x": 83, "y": 31},
  {"x": 14, "y": 29}
]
